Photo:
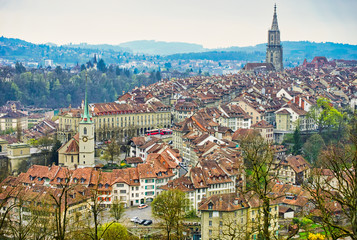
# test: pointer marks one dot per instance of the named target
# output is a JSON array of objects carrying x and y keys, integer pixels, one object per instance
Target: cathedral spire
[
  {"x": 274, "y": 25},
  {"x": 274, "y": 53},
  {"x": 86, "y": 118}
]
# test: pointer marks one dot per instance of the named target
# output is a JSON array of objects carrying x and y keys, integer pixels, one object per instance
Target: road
[{"x": 140, "y": 213}]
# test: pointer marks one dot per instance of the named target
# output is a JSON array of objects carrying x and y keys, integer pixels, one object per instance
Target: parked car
[
  {"x": 137, "y": 220},
  {"x": 142, "y": 206},
  {"x": 147, "y": 222},
  {"x": 142, "y": 221}
]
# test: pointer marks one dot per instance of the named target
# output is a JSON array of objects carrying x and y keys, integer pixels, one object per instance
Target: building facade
[{"x": 113, "y": 119}]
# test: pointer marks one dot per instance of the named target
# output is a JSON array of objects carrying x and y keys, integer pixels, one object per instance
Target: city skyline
[{"x": 213, "y": 25}]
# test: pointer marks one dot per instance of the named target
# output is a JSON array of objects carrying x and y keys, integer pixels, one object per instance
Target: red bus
[
  {"x": 152, "y": 132},
  {"x": 163, "y": 131}
]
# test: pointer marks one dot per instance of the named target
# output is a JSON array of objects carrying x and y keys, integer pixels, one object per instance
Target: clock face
[{"x": 85, "y": 139}]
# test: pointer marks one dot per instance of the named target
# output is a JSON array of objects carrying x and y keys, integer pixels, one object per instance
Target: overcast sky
[{"x": 212, "y": 23}]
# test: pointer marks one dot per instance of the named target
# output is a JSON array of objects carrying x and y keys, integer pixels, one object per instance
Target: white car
[{"x": 137, "y": 220}]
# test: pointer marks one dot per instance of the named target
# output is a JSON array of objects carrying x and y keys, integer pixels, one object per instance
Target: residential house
[
  {"x": 293, "y": 170},
  {"x": 265, "y": 130}
]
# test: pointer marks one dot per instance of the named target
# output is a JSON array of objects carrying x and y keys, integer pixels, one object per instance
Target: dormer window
[
  {"x": 82, "y": 180},
  {"x": 210, "y": 206},
  {"x": 106, "y": 185},
  {"x": 75, "y": 180},
  {"x": 39, "y": 179},
  {"x": 32, "y": 178},
  {"x": 59, "y": 179},
  {"x": 100, "y": 185}
]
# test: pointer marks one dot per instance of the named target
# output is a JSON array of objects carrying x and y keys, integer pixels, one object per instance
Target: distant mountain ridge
[{"x": 294, "y": 51}]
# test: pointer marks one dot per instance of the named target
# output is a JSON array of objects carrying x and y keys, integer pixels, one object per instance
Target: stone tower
[
  {"x": 86, "y": 136},
  {"x": 274, "y": 48}
]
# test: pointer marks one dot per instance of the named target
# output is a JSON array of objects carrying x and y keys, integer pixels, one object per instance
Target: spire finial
[
  {"x": 274, "y": 25},
  {"x": 86, "y": 116}
]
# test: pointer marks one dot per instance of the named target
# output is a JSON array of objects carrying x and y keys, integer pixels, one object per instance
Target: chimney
[{"x": 302, "y": 104}]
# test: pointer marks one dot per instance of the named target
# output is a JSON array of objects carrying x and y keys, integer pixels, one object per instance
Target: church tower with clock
[
  {"x": 86, "y": 136},
  {"x": 274, "y": 53}
]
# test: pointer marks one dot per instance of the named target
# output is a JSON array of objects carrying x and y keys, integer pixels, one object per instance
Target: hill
[
  {"x": 299, "y": 50},
  {"x": 14, "y": 50},
  {"x": 294, "y": 51},
  {"x": 152, "y": 47}
]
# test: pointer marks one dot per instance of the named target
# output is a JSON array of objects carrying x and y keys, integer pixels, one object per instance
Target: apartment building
[
  {"x": 237, "y": 216},
  {"x": 114, "y": 119}
]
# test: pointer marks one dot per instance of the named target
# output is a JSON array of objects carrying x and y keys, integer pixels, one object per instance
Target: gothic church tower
[
  {"x": 274, "y": 53},
  {"x": 86, "y": 136}
]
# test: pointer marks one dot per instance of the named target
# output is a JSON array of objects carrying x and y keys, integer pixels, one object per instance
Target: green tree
[
  {"x": 111, "y": 150},
  {"x": 54, "y": 154},
  {"x": 297, "y": 142},
  {"x": 83, "y": 67},
  {"x": 19, "y": 68},
  {"x": 325, "y": 115},
  {"x": 58, "y": 70},
  {"x": 101, "y": 66},
  {"x": 312, "y": 147},
  {"x": 170, "y": 207},
  {"x": 113, "y": 231},
  {"x": 69, "y": 98}
]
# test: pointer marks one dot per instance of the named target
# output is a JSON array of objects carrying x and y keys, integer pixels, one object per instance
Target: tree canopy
[
  {"x": 170, "y": 207},
  {"x": 59, "y": 88}
]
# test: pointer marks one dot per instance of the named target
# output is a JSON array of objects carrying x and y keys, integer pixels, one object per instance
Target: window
[
  {"x": 210, "y": 223},
  {"x": 120, "y": 185},
  {"x": 210, "y": 214},
  {"x": 210, "y": 232},
  {"x": 85, "y": 131}
]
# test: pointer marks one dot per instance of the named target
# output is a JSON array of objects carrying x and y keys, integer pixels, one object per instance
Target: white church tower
[{"x": 86, "y": 136}]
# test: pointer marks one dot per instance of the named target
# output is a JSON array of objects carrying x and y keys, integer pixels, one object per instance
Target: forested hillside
[{"x": 59, "y": 88}]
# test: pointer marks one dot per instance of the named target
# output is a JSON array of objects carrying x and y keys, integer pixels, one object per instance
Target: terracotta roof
[
  {"x": 131, "y": 160},
  {"x": 262, "y": 124},
  {"x": 241, "y": 132},
  {"x": 298, "y": 163},
  {"x": 223, "y": 202},
  {"x": 73, "y": 147},
  {"x": 283, "y": 111}
]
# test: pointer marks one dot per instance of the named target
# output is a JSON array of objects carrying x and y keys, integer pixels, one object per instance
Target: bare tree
[
  {"x": 8, "y": 196},
  {"x": 112, "y": 150},
  {"x": 18, "y": 130},
  {"x": 232, "y": 229},
  {"x": 60, "y": 197},
  {"x": 334, "y": 188},
  {"x": 96, "y": 212},
  {"x": 117, "y": 210},
  {"x": 261, "y": 175}
]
